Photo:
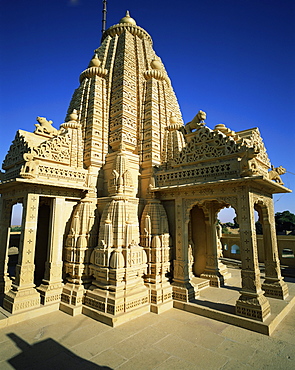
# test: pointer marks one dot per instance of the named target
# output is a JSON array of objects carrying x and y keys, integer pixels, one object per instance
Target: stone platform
[
  {"x": 171, "y": 341},
  {"x": 213, "y": 303},
  {"x": 219, "y": 304}
]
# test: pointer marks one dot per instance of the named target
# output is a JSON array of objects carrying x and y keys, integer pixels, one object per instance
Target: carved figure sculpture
[
  {"x": 198, "y": 121},
  {"x": 45, "y": 127},
  {"x": 275, "y": 172},
  {"x": 248, "y": 163},
  {"x": 28, "y": 170}
]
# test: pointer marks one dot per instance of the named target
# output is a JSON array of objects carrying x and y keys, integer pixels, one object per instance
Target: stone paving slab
[{"x": 173, "y": 340}]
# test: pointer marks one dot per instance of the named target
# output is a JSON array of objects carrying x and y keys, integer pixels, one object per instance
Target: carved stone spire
[{"x": 125, "y": 96}]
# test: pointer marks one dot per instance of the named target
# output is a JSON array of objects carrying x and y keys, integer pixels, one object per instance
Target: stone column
[
  {"x": 5, "y": 217},
  {"x": 252, "y": 303},
  {"x": 273, "y": 285},
  {"x": 182, "y": 288},
  {"x": 51, "y": 287},
  {"x": 213, "y": 266},
  {"x": 23, "y": 295}
]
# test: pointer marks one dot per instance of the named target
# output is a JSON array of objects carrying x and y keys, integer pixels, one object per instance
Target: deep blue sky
[{"x": 234, "y": 59}]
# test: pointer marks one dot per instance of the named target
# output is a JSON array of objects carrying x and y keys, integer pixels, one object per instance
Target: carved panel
[
  {"x": 56, "y": 149},
  {"x": 223, "y": 170},
  {"x": 206, "y": 144}
]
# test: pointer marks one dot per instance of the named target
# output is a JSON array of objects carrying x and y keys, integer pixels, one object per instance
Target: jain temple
[{"x": 120, "y": 202}]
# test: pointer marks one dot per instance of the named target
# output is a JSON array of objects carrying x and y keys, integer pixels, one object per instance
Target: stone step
[{"x": 200, "y": 283}]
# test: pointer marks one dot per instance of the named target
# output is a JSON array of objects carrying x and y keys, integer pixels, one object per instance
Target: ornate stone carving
[
  {"x": 127, "y": 24},
  {"x": 123, "y": 156},
  {"x": 44, "y": 127},
  {"x": 197, "y": 122},
  {"x": 81, "y": 240},
  {"x": 155, "y": 239},
  {"x": 275, "y": 172},
  {"x": 94, "y": 69},
  {"x": 16, "y": 151}
]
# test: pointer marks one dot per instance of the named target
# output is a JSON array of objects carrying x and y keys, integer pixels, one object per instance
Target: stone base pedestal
[
  {"x": 21, "y": 300},
  {"x": 72, "y": 299},
  {"x": 215, "y": 279},
  {"x": 116, "y": 302},
  {"x": 160, "y": 296},
  {"x": 107, "y": 306},
  {"x": 218, "y": 276},
  {"x": 50, "y": 293},
  {"x": 184, "y": 292},
  {"x": 275, "y": 288},
  {"x": 161, "y": 307},
  {"x": 252, "y": 305}
]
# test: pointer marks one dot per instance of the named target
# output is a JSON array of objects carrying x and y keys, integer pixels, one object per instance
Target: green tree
[
  {"x": 15, "y": 228},
  {"x": 285, "y": 221},
  {"x": 224, "y": 227}
]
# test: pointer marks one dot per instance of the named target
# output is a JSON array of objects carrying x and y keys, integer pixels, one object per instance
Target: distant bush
[
  {"x": 285, "y": 221},
  {"x": 15, "y": 228}
]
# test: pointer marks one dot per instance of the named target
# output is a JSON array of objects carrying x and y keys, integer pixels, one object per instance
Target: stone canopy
[{"x": 120, "y": 202}]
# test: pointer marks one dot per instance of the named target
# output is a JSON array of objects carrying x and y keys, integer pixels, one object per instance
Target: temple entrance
[
  {"x": 198, "y": 240},
  {"x": 42, "y": 239}
]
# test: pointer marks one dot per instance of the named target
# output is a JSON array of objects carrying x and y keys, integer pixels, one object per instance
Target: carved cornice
[{"x": 118, "y": 29}]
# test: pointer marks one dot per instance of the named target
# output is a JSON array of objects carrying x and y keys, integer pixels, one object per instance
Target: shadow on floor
[
  {"x": 47, "y": 354},
  {"x": 215, "y": 305},
  {"x": 232, "y": 287}
]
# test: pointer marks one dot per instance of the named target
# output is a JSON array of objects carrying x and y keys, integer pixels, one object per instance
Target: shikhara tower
[{"x": 120, "y": 203}]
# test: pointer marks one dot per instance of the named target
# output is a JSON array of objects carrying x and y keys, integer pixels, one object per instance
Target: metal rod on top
[{"x": 104, "y": 16}]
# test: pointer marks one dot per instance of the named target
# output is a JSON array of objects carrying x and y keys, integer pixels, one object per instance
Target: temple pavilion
[{"x": 120, "y": 202}]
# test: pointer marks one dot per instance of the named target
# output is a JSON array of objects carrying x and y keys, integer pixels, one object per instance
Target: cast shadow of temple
[{"x": 47, "y": 354}]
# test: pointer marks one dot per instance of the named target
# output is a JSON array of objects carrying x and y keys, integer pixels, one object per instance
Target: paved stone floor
[{"x": 173, "y": 340}]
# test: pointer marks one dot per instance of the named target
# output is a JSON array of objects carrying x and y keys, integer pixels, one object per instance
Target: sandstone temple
[{"x": 120, "y": 202}]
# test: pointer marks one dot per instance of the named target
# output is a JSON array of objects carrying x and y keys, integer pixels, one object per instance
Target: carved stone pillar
[
  {"x": 23, "y": 295},
  {"x": 252, "y": 303},
  {"x": 274, "y": 285},
  {"x": 5, "y": 216},
  {"x": 182, "y": 288},
  {"x": 50, "y": 289},
  {"x": 215, "y": 271},
  {"x": 78, "y": 246},
  {"x": 155, "y": 240}
]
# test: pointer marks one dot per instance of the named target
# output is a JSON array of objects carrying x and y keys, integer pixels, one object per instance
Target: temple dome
[
  {"x": 128, "y": 19},
  {"x": 126, "y": 24}
]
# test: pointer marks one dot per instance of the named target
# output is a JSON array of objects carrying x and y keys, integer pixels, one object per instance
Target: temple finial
[{"x": 128, "y": 19}]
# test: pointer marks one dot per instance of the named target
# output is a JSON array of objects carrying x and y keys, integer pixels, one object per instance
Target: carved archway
[{"x": 202, "y": 244}]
